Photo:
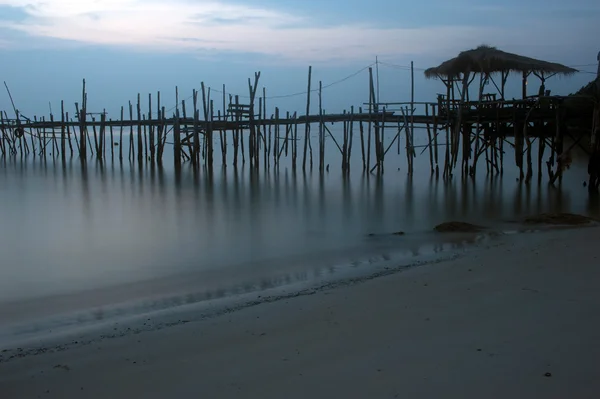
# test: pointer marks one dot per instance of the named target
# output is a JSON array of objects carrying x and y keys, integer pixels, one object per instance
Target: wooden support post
[
  {"x": 82, "y": 138},
  {"x": 131, "y": 143},
  {"x": 362, "y": 141},
  {"x": 307, "y": 125},
  {"x": 140, "y": 146},
  {"x": 161, "y": 135},
  {"x": 429, "y": 139},
  {"x": 519, "y": 143},
  {"x": 351, "y": 132},
  {"x": 412, "y": 115},
  {"x": 276, "y": 146},
  {"x": 295, "y": 143},
  {"x": 151, "y": 128},
  {"x": 185, "y": 131},
  {"x": 242, "y": 145},
  {"x": 112, "y": 142},
  {"x": 159, "y": 130},
  {"x": 236, "y": 137},
  {"x": 194, "y": 153},
  {"x": 177, "y": 140},
  {"x": 223, "y": 133},
  {"x": 529, "y": 159},
  {"x": 121, "y": 135},
  {"x": 55, "y": 148},
  {"x": 96, "y": 143},
  {"x": 448, "y": 159},
  {"x": 3, "y": 139},
  {"x": 288, "y": 130},
  {"x": 33, "y": 139},
  {"x": 74, "y": 135},
  {"x": 408, "y": 143},
  {"x": 63, "y": 151},
  {"x": 344, "y": 145},
  {"x": 381, "y": 143},
  {"x": 254, "y": 154},
  {"x": 321, "y": 131},
  {"x": 102, "y": 135},
  {"x": 434, "y": 113},
  {"x": 195, "y": 147},
  {"x": 372, "y": 101}
]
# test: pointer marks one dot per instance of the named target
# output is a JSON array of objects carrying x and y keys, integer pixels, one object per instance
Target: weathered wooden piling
[{"x": 478, "y": 129}]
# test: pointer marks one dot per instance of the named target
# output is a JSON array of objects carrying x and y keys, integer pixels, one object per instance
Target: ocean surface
[{"x": 83, "y": 239}]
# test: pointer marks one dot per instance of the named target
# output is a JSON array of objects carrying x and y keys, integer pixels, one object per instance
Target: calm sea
[{"x": 79, "y": 238}]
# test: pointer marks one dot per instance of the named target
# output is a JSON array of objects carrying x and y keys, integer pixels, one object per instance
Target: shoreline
[
  {"x": 509, "y": 320},
  {"x": 61, "y": 331},
  {"x": 512, "y": 319},
  {"x": 391, "y": 253}
]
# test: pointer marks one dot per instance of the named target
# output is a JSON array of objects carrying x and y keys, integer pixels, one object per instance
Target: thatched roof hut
[{"x": 489, "y": 60}]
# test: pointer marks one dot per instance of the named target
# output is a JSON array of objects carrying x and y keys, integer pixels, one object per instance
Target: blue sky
[{"x": 122, "y": 47}]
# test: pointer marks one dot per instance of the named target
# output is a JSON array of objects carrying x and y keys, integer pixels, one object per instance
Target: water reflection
[
  {"x": 75, "y": 228},
  {"x": 318, "y": 275}
]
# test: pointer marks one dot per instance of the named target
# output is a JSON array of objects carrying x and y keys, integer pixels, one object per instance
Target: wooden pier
[{"x": 455, "y": 127}]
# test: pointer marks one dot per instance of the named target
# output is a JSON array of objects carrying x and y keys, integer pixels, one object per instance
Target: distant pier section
[{"x": 462, "y": 132}]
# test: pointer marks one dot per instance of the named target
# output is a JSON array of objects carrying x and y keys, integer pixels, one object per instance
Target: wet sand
[{"x": 518, "y": 318}]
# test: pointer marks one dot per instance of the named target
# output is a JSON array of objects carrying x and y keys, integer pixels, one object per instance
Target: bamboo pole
[
  {"x": 351, "y": 139},
  {"x": 139, "y": 130},
  {"x": 435, "y": 138},
  {"x": 321, "y": 132},
  {"x": 112, "y": 143},
  {"x": 288, "y": 131},
  {"x": 223, "y": 134},
  {"x": 412, "y": 112},
  {"x": 82, "y": 128},
  {"x": 381, "y": 141},
  {"x": 145, "y": 136},
  {"x": 276, "y": 140},
  {"x": 63, "y": 151},
  {"x": 376, "y": 122},
  {"x": 195, "y": 149},
  {"x": 102, "y": 135},
  {"x": 159, "y": 130},
  {"x": 131, "y": 142},
  {"x": 429, "y": 140},
  {"x": 3, "y": 138},
  {"x": 344, "y": 145},
  {"x": 177, "y": 140},
  {"x": 55, "y": 147},
  {"x": 307, "y": 125},
  {"x": 182, "y": 121},
  {"x": 295, "y": 143},
  {"x": 211, "y": 130},
  {"x": 194, "y": 152},
  {"x": 362, "y": 141},
  {"x": 235, "y": 132},
  {"x": 74, "y": 135},
  {"x": 150, "y": 130},
  {"x": 121, "y": 136}
]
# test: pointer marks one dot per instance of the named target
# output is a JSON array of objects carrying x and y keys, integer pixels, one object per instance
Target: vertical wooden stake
[{"x": 307, "y": 125}]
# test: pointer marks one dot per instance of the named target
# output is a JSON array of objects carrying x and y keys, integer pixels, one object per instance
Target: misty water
[{"x": 82, "y": 239}]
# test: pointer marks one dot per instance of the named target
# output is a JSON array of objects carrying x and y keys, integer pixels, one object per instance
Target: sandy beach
[{"x": 515, "y": 318}]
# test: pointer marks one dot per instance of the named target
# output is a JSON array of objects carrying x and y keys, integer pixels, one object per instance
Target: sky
[{"x": 126, "y": 47}]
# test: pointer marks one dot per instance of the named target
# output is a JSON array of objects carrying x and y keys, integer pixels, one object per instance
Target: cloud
[{"x": 196, "y": 26}]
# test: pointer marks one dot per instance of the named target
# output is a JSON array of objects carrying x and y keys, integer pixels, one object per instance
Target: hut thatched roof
[{"x": 486, "y": 59}]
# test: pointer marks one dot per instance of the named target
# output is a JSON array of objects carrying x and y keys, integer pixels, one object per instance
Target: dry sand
[{"x": 516, "y": 320}]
